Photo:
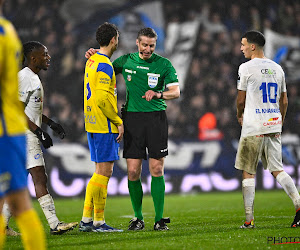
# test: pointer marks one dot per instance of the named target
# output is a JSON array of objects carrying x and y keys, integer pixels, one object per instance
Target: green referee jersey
[{"x": 142, "y": 75}]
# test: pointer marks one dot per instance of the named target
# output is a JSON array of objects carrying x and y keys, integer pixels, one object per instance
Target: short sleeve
[
  {"x": 242, "y": 78},
  {"x": 104, "y": 76},
  {"x": 171, "y": 77}
]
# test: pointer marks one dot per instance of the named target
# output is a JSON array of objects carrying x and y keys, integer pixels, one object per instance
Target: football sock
[
  {"x": 248, "y": 195},
  {"x": 88, "y": 202},
  {"x": 158, "y": 196},
  {"x": 136, "y": 196},
  {"x": 47, "y": 205},
  {"x": 32, "y": 232},
  {"x": 99, "y": 184},
  {"x": 6, "y": 213},
  {"x": 289, "y": 187},
  {"x": 2, "y": 231}
]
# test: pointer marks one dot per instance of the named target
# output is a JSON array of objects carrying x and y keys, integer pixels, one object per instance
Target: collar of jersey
[{"x": 103, "y": 55}]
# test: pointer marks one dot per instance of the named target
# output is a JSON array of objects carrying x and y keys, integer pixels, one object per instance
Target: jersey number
[
  {"x": 89, "y": 92},
  {"x": 269, "y": 91}
]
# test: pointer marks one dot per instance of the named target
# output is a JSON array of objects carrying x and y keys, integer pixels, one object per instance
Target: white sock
[
  {"x": 289, "y": 187},
  {"x": 87, "y": 219},
  {"x": 47, "y": 204},
  {"x": 6, "y": 213},
  {"x": 248, "y": 195}
]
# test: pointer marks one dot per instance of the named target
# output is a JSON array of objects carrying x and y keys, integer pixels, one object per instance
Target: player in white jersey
[
  {"x": 261, "y": 108},
  {"x": 32, "y": 94}
]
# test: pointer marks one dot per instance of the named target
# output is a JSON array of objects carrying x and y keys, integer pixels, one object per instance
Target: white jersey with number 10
[{"x": 264, "y": 81}]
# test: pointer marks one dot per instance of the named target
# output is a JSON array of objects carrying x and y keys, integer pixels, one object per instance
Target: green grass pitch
[{"x": 198, "y": 221}]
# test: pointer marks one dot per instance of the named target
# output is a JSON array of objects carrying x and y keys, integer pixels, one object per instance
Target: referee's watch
[{"x": 162, "y": 94}]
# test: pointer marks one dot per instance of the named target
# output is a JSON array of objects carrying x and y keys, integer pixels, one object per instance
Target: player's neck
[
  {"x": 106, "y": 51},
  {"x": 258, "y": 54},
  {"x": 34, "y": 69}
]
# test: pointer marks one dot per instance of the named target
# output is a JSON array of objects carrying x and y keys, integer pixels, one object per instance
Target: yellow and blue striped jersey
[
  {"x": 12, "y": 117},
  {"x": 100, "y": 96}
]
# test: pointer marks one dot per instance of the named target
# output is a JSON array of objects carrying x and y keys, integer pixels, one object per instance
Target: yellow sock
[
  {"x": 2, "y": 231},
  {"x": 88, "y": 201},
  {"x": 32, "y": 231},
  {"x": 100, "y": 183}
]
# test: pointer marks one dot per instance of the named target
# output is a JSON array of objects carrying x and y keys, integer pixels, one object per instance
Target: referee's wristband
[{"x": 162, "y": 94}]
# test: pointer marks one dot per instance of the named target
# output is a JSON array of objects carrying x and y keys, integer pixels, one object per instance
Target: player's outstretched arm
[
  {"x": 56, "y": 127},
  {"x": 90, "y": 52}
]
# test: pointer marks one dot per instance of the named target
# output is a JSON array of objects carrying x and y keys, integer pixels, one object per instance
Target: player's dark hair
[
  {"x": 148, "y": 32},
  {"x": 30, "y": 46},
  {"x": 105, "y": 33},
  {"x": 254, "y": 36}
]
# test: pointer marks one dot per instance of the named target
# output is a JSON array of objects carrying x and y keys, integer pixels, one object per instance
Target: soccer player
[
  {"x": 103, "y": 125},
  {"x": 150, "y": 80},
  {"x": 13, "y": 176},
  {"x": 261, "y": 108},
  {"x": 31, "y": 93}
]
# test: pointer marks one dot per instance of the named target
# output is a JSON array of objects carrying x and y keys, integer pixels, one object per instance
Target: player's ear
[
  {"x": 253, "y": 46},
  {"x": 137, "y": 42}
]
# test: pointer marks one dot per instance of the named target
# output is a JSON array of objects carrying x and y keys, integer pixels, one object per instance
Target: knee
[
  {"x": 133, "y": 174},
  {"x": 157, "y": 170}
]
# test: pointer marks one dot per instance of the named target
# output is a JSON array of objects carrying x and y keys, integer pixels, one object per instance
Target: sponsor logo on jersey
[
  {"x": 142, "y": 67},
  {"x": 273, "y": 119},
  {"x": 268, "y": 71},
  {"x": 37, "y": 99},
  {"x": 89, "y": 119},
  {"x": 271, "y": 122},
  {"x": 129, "y": 78},
  {"x": 153, "y": 79},
  {"x": 37, "y": 156}
]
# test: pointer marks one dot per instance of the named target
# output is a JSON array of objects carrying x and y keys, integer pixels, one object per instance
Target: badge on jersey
[{"x": 152, "y": 79}]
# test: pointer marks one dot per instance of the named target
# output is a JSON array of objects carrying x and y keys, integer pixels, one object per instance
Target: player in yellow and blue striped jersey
[{"x": 103, "y": 125}]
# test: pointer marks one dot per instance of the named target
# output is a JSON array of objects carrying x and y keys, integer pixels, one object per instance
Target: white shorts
[
  {"x": 34, "y": 152},
  {"x": 266, "y": 148}
]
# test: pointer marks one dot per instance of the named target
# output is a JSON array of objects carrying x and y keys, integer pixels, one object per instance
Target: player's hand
[
  {"x": 121, "y": 133},
  {"x": 43, "y": 137},
  {"x": 90, "y": 52},
  {"x": 57, "y": 128},
  {"x": 150, "y": 94}
]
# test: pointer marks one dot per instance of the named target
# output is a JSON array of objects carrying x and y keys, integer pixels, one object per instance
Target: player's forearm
[
  {"x": 45, "y": 119},
  {"x": 172, "y": 93},
  {"x": 107, "y": 108},
  {"x": 283, "y": 109}
]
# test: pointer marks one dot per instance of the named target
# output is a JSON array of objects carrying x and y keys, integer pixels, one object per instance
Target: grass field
[{"x": 199, "y": 221}]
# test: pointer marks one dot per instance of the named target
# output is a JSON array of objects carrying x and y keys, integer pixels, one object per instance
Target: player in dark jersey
[{"x": 150, "y": 80}]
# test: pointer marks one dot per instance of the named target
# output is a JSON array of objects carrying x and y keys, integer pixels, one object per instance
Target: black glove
[
  {"x": 57, "y": 128},
  {"x": 43, "y": 137}
]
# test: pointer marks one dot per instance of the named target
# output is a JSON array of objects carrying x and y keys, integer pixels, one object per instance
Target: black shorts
[{"x": 145, "y": 130}]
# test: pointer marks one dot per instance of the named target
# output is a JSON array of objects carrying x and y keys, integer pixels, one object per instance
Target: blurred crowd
[{"x": 208, "y": 99}]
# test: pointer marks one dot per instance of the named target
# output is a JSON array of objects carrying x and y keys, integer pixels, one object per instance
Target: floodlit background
[{"x": 202, "y": 40}]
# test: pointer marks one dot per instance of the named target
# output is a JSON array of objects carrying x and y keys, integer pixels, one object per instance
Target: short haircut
[
  {"x": 254, "y": 36},
  {"x": 30, "y": 46},
  {"x": 148, "y": 32},
  {"x": 105, "y": 33}
]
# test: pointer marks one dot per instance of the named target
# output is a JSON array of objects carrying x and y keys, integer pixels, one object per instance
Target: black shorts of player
[{"x": 145, "y": 130}]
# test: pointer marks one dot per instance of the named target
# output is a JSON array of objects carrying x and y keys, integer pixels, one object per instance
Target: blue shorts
[
  {"x": 103, "y": 147},
  {"x": 13, "y": 173}
]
